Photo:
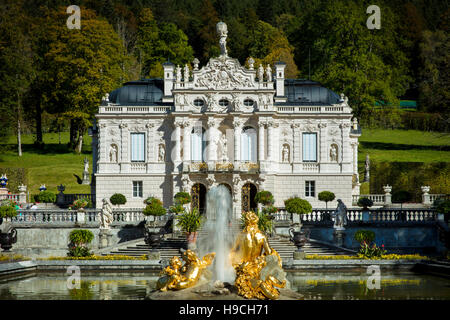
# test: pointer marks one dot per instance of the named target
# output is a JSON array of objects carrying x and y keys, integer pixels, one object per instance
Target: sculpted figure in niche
[
  {"x": 285, "y": 153},
  {"x": 113, "y": 153},
  {"x": 161, "y": 153},
  {"x": 333, "y": 153},
  {"x": 223, "y": 144}
]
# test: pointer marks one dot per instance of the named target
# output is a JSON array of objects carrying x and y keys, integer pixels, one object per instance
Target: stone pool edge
[{"x": 13, "y": 268}]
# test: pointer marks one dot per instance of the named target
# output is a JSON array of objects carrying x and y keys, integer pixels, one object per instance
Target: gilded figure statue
[
  {"x": 258, "y": 267},
  {"x": 177, "y": 277}
]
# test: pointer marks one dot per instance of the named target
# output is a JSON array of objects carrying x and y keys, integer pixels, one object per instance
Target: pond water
[{"x": 313, "y": 285}]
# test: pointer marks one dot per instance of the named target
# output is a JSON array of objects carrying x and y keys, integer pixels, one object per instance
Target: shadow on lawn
[
  {"x": 395, "y": 146},
  {"x": 48, "y": 149}
]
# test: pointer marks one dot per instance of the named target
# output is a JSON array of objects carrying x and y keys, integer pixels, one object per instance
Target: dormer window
[
  {"x": 249, "y": 102},
  {"x": 224, "y": 103},
  {"x": 199, "y": 103}
]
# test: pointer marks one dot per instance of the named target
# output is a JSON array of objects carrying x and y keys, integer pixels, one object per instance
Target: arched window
[
  {"x": 198, "y": 143},
  {"x": 248, "y": 144}
]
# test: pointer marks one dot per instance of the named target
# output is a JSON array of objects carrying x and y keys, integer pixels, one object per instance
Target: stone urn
[
  {"x": 300, "y": 238},
  {"x": 7, "y": 238},
  {"x": 153, "y": 239}
]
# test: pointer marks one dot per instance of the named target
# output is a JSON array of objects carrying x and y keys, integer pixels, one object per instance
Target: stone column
[
  {"x": 323, "y": 143},
  {"x": 177, "y": 153},
  {"x": 261, "y": 141},
  {"x": 355, "y": 159},
  {"x": 237, "y": 125},
  {"x": 186, "y": 141},
  {"x": 345, "y": 152},
  {"x": 270, "y": 142},
  {"x": 124, "y": 158},
  {"x": 151, "y": 154},
  {"x": 212, "y": 143}
]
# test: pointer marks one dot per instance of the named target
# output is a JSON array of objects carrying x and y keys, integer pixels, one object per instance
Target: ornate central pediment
[{"x": 224, "y": 73}]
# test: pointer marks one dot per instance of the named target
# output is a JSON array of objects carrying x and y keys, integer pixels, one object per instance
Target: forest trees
[{"x": 84, "y": 64}]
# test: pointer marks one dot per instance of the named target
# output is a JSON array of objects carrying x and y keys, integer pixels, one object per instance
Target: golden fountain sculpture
[
  {"x": 258, "y": 267},
  {"x": 177, "y": 277}
]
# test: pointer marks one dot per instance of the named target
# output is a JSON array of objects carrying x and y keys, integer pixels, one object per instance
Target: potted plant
[
  {"x": 154, "y": 208},
  {"x": 443, "y": 209},
  {"x": 79, "y": 243},
  {"x": 80, "y": 204},
  {"x": 297, "y": 206},
  {"x": 190, "y": 223},
  {"x": 117, "y": 199},
  {"x": 45, "y": 197},
  {"x": 365, "y": 239},
  {"x": 7, "y": 209},
  {"x": 181, "y": 199},
  {"x": 365, "y": 203}
]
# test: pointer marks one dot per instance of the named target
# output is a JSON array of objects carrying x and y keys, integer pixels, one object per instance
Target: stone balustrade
[
  {"x": 134, "y": 109},
  {"x": 310, "y": 109},
  {"x": 71, "y": 217},
  {"x": 378, "y": 199},
  {"x": 319, "y": 216}
]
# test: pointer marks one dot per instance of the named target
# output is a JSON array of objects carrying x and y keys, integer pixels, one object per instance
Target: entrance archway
[
  {"x": 249, "y": 191},
  {"x": 198, "y": 197}
]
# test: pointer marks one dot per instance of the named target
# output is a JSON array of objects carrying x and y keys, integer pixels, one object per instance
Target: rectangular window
[
  {"x": 137, "y": 189},
  {"x": 309, "y": 147},
  {"x": 310, "y": 188},
  {"x": 138, "y": 147}
]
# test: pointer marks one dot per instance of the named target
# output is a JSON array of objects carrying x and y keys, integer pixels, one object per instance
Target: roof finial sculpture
[{"x": 222, "y": 31}]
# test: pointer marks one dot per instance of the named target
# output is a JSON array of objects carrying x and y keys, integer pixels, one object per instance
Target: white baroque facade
[{"x": 250, "y": 129}]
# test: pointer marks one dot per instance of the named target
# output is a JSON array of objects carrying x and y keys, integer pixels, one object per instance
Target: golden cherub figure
[
  {"x": 177, "y": 277},
  {"x": 258, "y": 267}
]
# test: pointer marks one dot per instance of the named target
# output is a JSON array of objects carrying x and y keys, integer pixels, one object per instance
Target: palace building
[{"x": 250, "y": 129}]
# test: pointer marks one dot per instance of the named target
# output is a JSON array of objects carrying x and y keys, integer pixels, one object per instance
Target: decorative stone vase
[
  {"x": 7, "y": 239},
  {"x": 300, "y": 238},
  {"x": 153, "y": 239}
]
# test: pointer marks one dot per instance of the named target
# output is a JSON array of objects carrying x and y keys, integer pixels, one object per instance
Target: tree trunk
[
  {"x": 80, "y": 143},
  {"x": 73, "y": 134},
  {"x": 19, "y": 142},
  {"x": 38, "y": 123}
]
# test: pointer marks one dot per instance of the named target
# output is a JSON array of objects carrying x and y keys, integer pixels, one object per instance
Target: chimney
[
  {"x": 279, "y": 81},
  {"x": 168, "y": 78}
]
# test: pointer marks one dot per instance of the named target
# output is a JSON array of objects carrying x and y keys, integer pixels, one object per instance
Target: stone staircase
[{"x": 171, "y": 244}]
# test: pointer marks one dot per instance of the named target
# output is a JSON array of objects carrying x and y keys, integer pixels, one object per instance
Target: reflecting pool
[{"x": 313, "y": 285}]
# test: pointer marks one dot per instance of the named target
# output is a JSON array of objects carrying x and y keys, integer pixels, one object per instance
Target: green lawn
[
  {"x": 52, "y": 165},
  {"x": 404, "y": 146}
]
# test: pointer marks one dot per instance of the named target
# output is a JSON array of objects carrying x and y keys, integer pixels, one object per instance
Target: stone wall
[
  {"x": 152, "y": 185},
  {"x": 53, "y": 241},
  {"x": 290, "y": 185},
  {"x": 396, "y": 239}
]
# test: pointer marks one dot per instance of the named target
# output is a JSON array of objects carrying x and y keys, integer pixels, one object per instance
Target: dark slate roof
[
  {"x": 301, "y": 91},
  {"x": 140, "y": 92}
]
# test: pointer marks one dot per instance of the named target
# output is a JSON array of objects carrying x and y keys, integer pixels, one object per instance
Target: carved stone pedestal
[
  {"x": 299, "y": 255},
  {"x": 104, "y": 238},
  {"x": 339, "y": 237},
  {"x": 154, "y": 255}
]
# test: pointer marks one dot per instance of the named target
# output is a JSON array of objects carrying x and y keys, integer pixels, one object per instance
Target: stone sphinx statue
[
  {"x": 258, "y": 267},
  {"x": 177, "y": 277}
]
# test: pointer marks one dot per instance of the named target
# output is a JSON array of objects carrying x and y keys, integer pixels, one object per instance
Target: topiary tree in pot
[
  {"x": 365, "y": 203},
  {"x": 154, "y": 208},
  {"x": 45, "y": 197},
  {"x": 298, "y": 206},
  {"x": 266, "y": 214},
  {"x": 117, "y": 199},
  {"x": 79, "y": 243},
  {"x": 326, "y": 196},
  {"x": 181, "y": 199}
]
